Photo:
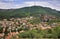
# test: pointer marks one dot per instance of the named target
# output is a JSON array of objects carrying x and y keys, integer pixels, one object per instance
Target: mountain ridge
[{"x": 26, "y": 11}]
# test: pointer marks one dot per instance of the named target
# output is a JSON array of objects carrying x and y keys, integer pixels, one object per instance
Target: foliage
[
  {"x": 49, "y": 33},
  {"x": 36, "y": 21},
  {"x": 27, "y": 11}
]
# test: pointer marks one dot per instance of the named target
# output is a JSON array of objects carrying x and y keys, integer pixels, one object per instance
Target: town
[{"x": 15, "y": 26}]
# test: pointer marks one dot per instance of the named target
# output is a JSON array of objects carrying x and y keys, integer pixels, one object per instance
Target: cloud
[
  {"x": 12, "y": 5},
  {"x": 44, "y": 4},
  {"x": 6, "y": 5}
]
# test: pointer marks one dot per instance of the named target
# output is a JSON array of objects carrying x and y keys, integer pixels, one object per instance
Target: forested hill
[{"x": 28, "y": 11}]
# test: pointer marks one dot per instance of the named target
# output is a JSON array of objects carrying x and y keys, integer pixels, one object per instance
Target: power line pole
[
  {"x": 30, "y": 8},
  {"x": 34, "y": 2}
]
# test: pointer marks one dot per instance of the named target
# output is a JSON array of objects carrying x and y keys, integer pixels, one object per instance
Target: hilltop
[{"x": 28, "y": 11}]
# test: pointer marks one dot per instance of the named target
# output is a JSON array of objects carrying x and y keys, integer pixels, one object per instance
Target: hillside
[
  {"x": 27, "y": 11},
  {"x": 34, "y": 22}
]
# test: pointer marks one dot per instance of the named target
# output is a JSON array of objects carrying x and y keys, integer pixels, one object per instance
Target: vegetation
[
  {"x": 49, "y": 33},
  {"x": 27, "y": 11},
  {"x": 39, "y": 26}
]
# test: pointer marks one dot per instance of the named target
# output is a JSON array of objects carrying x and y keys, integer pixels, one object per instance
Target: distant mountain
[{"x": 28, "y": 11}]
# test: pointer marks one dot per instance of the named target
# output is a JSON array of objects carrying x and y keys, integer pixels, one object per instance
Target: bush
[{"x": 49, "y": 33}]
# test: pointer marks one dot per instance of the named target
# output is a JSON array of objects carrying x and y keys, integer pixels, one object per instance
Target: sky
[{"x": 14, "y": 4}]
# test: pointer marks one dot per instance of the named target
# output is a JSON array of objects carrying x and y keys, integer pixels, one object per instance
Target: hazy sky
[{"x": 8, "y": 4}]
